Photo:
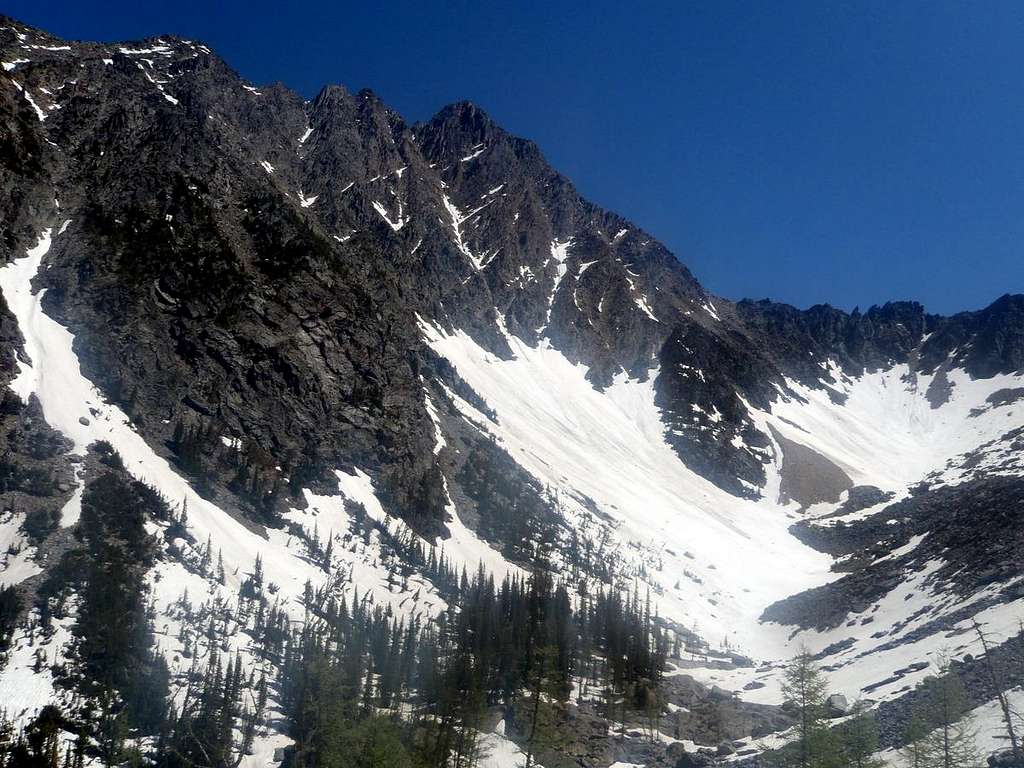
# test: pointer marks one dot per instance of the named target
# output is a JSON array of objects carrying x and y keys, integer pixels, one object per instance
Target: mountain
[{"x": 292, "y": 354}]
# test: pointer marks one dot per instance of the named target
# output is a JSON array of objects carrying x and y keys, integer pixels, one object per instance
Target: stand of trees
[
  {"x": 356, "y": 672},
  {"x": 941, "y": 732},
  {"x": 814, "y": 743},
  {"x": 357, "y": 685}
]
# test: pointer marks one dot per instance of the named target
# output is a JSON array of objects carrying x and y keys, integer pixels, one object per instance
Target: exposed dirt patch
[{"x": 807, "y": 476}]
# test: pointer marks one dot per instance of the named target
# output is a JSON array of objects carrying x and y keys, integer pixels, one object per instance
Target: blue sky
[{"x": 840, "y": 152}]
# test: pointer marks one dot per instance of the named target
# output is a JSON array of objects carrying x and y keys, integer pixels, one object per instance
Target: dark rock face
[
  {"x": 36, "y": 481},
  {"x": 703, "y": 375},
  {"x": 861, "y": 497},
  {"x": 239, "y": 263},
  {"x": 986, "y": 342},
  {"x": 24, "y": 156},
  {"x": 870, "y": 341},
  {"x": 975, "y": 529}
]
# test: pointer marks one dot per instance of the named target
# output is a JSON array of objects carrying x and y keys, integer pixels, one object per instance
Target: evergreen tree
[
  {"x": 860, "y": 738},
  {"x": 952, "y": 740},
  {"x": 997, "y": 690},
  {"x": 804, "y": 690},
  {"x": 914, "y": 753}
]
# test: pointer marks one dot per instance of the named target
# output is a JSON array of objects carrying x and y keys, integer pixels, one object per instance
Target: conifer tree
[
  {"x": 998, "y": 691},
  {"x": 860, "y": 738},
  {"x": 804, "y": 689},
  {"x": 914, "y": 753},
  {"x": 952, "y": 740}
]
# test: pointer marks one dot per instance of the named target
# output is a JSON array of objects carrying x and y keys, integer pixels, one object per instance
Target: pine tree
[
  {"x": 997, "y": 690},
  {"x": 544, "y": 705},
  {"x": 914, "y": 754},
  {"x": 42, "y": 740},
  {"x": 952, "y": 742},
  {"x": 804, "y": 688},
  {"x": 7, "y": 740},
  {"x": 860, "y": 738}
]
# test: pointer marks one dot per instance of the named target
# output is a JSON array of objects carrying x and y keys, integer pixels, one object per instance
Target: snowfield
[
  {"x": 609, "y": 447},
  {"x": 716, "y": 561},
  {"x": 887, "y": 433}
]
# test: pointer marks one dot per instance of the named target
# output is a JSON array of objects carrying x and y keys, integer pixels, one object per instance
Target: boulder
[
  {"x": 699, "y": 759},
  {"x": 1004, "y": 759},
  {"x": 837, "y": 705}
]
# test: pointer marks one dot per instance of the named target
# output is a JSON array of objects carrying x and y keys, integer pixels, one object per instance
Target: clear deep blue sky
[{"x": 848, "y": 153}]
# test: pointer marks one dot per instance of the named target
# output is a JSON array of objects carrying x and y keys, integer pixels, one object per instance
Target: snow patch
[
  {"x": 474, "y": 152},
  {"x": 399, "y": 221}
]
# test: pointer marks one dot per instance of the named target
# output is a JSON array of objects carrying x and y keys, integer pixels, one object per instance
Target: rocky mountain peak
[{"x": 457, "y": 129}]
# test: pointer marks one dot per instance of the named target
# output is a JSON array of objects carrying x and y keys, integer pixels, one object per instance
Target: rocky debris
[
  {"x": 974, "y": 528},
  {"x": 861, "y": 497},
  {"x": 917, "y": 666},
  {"x": 1004, "y": 759},
  {"x": 894, "y": 716},
  {"x": 807, "y": 476},
  {"x": 712, "y": 715},
  {"x": 834, "y": 648},
  {"x": 698, "y": 759},
  {"x": 1000, "y": 399},
  {"x": 1003, "y": 455}
]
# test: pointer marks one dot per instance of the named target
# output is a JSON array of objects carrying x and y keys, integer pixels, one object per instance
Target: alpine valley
[{"x": 330, "y": 440}]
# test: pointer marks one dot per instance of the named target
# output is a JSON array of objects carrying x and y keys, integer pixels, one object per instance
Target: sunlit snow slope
[{"x": 716, "y": 561}]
